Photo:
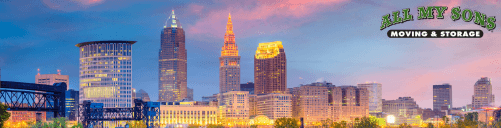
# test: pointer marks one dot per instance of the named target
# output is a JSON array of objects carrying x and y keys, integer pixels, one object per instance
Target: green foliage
[
  {"x": 470, "y": 120},
  {"x": 430, "y": 125},
  {"x": 286, "y": 123},
  {"x": 79, "y": 125},
  {"x": 136, "y": 124},
  {"x": 326, "y": 123},
  {"x": 4, "y": 115},
  {"x": 366, "y": 122},
  {"x": 341, "y": 124},
  {"x": 404, "y": 125}
]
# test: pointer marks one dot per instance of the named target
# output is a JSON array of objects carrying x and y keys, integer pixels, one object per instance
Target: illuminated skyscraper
[
  {"x": 270, "y": 68},
  {"x": 482, "y": 95},
  {"x": 106, "y": 72},
  {"x": 172, "y": 62},
  {"x": 229, "y": 68}
]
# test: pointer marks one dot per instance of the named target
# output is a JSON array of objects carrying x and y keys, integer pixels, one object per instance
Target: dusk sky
[{"x": 337, "y": 41}]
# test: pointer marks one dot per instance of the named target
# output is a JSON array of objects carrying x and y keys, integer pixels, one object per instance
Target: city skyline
[{"x": 54, "y": 37}]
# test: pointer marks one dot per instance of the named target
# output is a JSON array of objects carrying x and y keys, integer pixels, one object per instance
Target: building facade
[
  {"x": 249, "y": 86},
  {"x": 233, "y": 108},
  {"x": 320, "y": 101},
  {"x": 172, "y": 62},
  {"x": 189, "y": 94},
  {"x": 311, "y": 102},
  {"x": 51, "y": 79},
  {"x": 442, "y": 96},
  {"x": 274, "y": 105},
  {"x": 173, "y": 113},
  {"x": 72, "y": 105},
  {"x": 106, "y": 72},
  {"x": 348, "y": 103},
  {"x": 142, "y": 95},
  {"x": 270, "y": 68},
  {"x": 402, "y": 108},
  {"x": 375, "y": 96},
  {"x": 229, "y": 67},
  {"x": 482, "y": 94}
]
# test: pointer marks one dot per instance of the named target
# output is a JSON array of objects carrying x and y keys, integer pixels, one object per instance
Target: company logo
[{"x": 428, "y": 13}]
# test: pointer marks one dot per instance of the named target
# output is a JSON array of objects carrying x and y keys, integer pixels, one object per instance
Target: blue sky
[{"x": 335, "y": 40}]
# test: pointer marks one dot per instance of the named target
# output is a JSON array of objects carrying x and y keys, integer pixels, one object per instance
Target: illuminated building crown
[
  {"x": 173, "y": 22},
  {"x": 229, "y": 48},
  {"x": 268, "y": 50}
]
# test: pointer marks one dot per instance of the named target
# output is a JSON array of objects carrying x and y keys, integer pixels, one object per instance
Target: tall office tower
[
  {"x": 482, "y": 96},
  {"x": 106, "y": 72},
  {"x": 375, "y": 96},
  {"x": 50, "y": 79},
  {"x": 72, "y": 105},
  {"x": 229, "y": 68},
  {"x": 189, "y": 94},
  {"x": 442, "y": 96},
  {"x": 249, "y": 86},
  {"x": 270, "y": 68},
  {"x": 172, "y": 62}
]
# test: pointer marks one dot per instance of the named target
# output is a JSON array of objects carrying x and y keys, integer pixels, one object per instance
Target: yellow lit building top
[
  {"x": 268, "y": 50},
  {"x": 229, "y": 48}
]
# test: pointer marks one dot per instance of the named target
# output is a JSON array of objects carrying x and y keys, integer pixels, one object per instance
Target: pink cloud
[
  {"x": 460, "y": 62},
  {"x": 194, "y": 8},
  {"x": 264, "y": 18},
  {"x": 70, "y": 5}
]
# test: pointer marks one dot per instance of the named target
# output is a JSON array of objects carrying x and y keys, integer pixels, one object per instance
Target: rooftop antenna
[
  {"x": 58, "y": 72},
  {"x": 38, "y": 70}
]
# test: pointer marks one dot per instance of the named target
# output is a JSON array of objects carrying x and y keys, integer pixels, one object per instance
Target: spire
[
  {"x": 229, "y": 48},
  {"x": 229, "y": 25},
  {"x": 172, "y": 22}
]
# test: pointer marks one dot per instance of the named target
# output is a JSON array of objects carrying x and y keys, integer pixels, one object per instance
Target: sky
[{"x": 338, "y": 41}]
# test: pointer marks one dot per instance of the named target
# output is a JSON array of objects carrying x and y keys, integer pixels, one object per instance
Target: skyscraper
[
  {"x": 142, "y": 95},
  {"x": 106, "y": 72},
  {"x": 172, "y": 62},
  {"x": 482, "y": 96},
  {"x": 189, "y": 94},
  {"x": 72, "y": 105},
  {"x": 375, "y": 96},
  {"x": 229, "y": 68},
  {"x": 270, "y": 68},
  {"x": 442, "y": 96}
]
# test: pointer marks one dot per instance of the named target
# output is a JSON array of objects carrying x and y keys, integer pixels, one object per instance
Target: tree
[
  {"x": 286, "y": 123},
  {"x": 430, "y": 125},
  {"x": 404, "y": 125},
  {"x": 326, "y": 123},
  {"x": 341, "y": 124},
  {"x": 4, "y": 115},
  {"x": 366, "y": 122}
]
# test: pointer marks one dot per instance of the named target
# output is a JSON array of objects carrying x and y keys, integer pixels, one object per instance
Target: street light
[{"x": 486, "y": 110}]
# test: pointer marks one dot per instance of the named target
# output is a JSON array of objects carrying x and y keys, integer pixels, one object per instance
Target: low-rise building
[{"x": 187, "y": 113}]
